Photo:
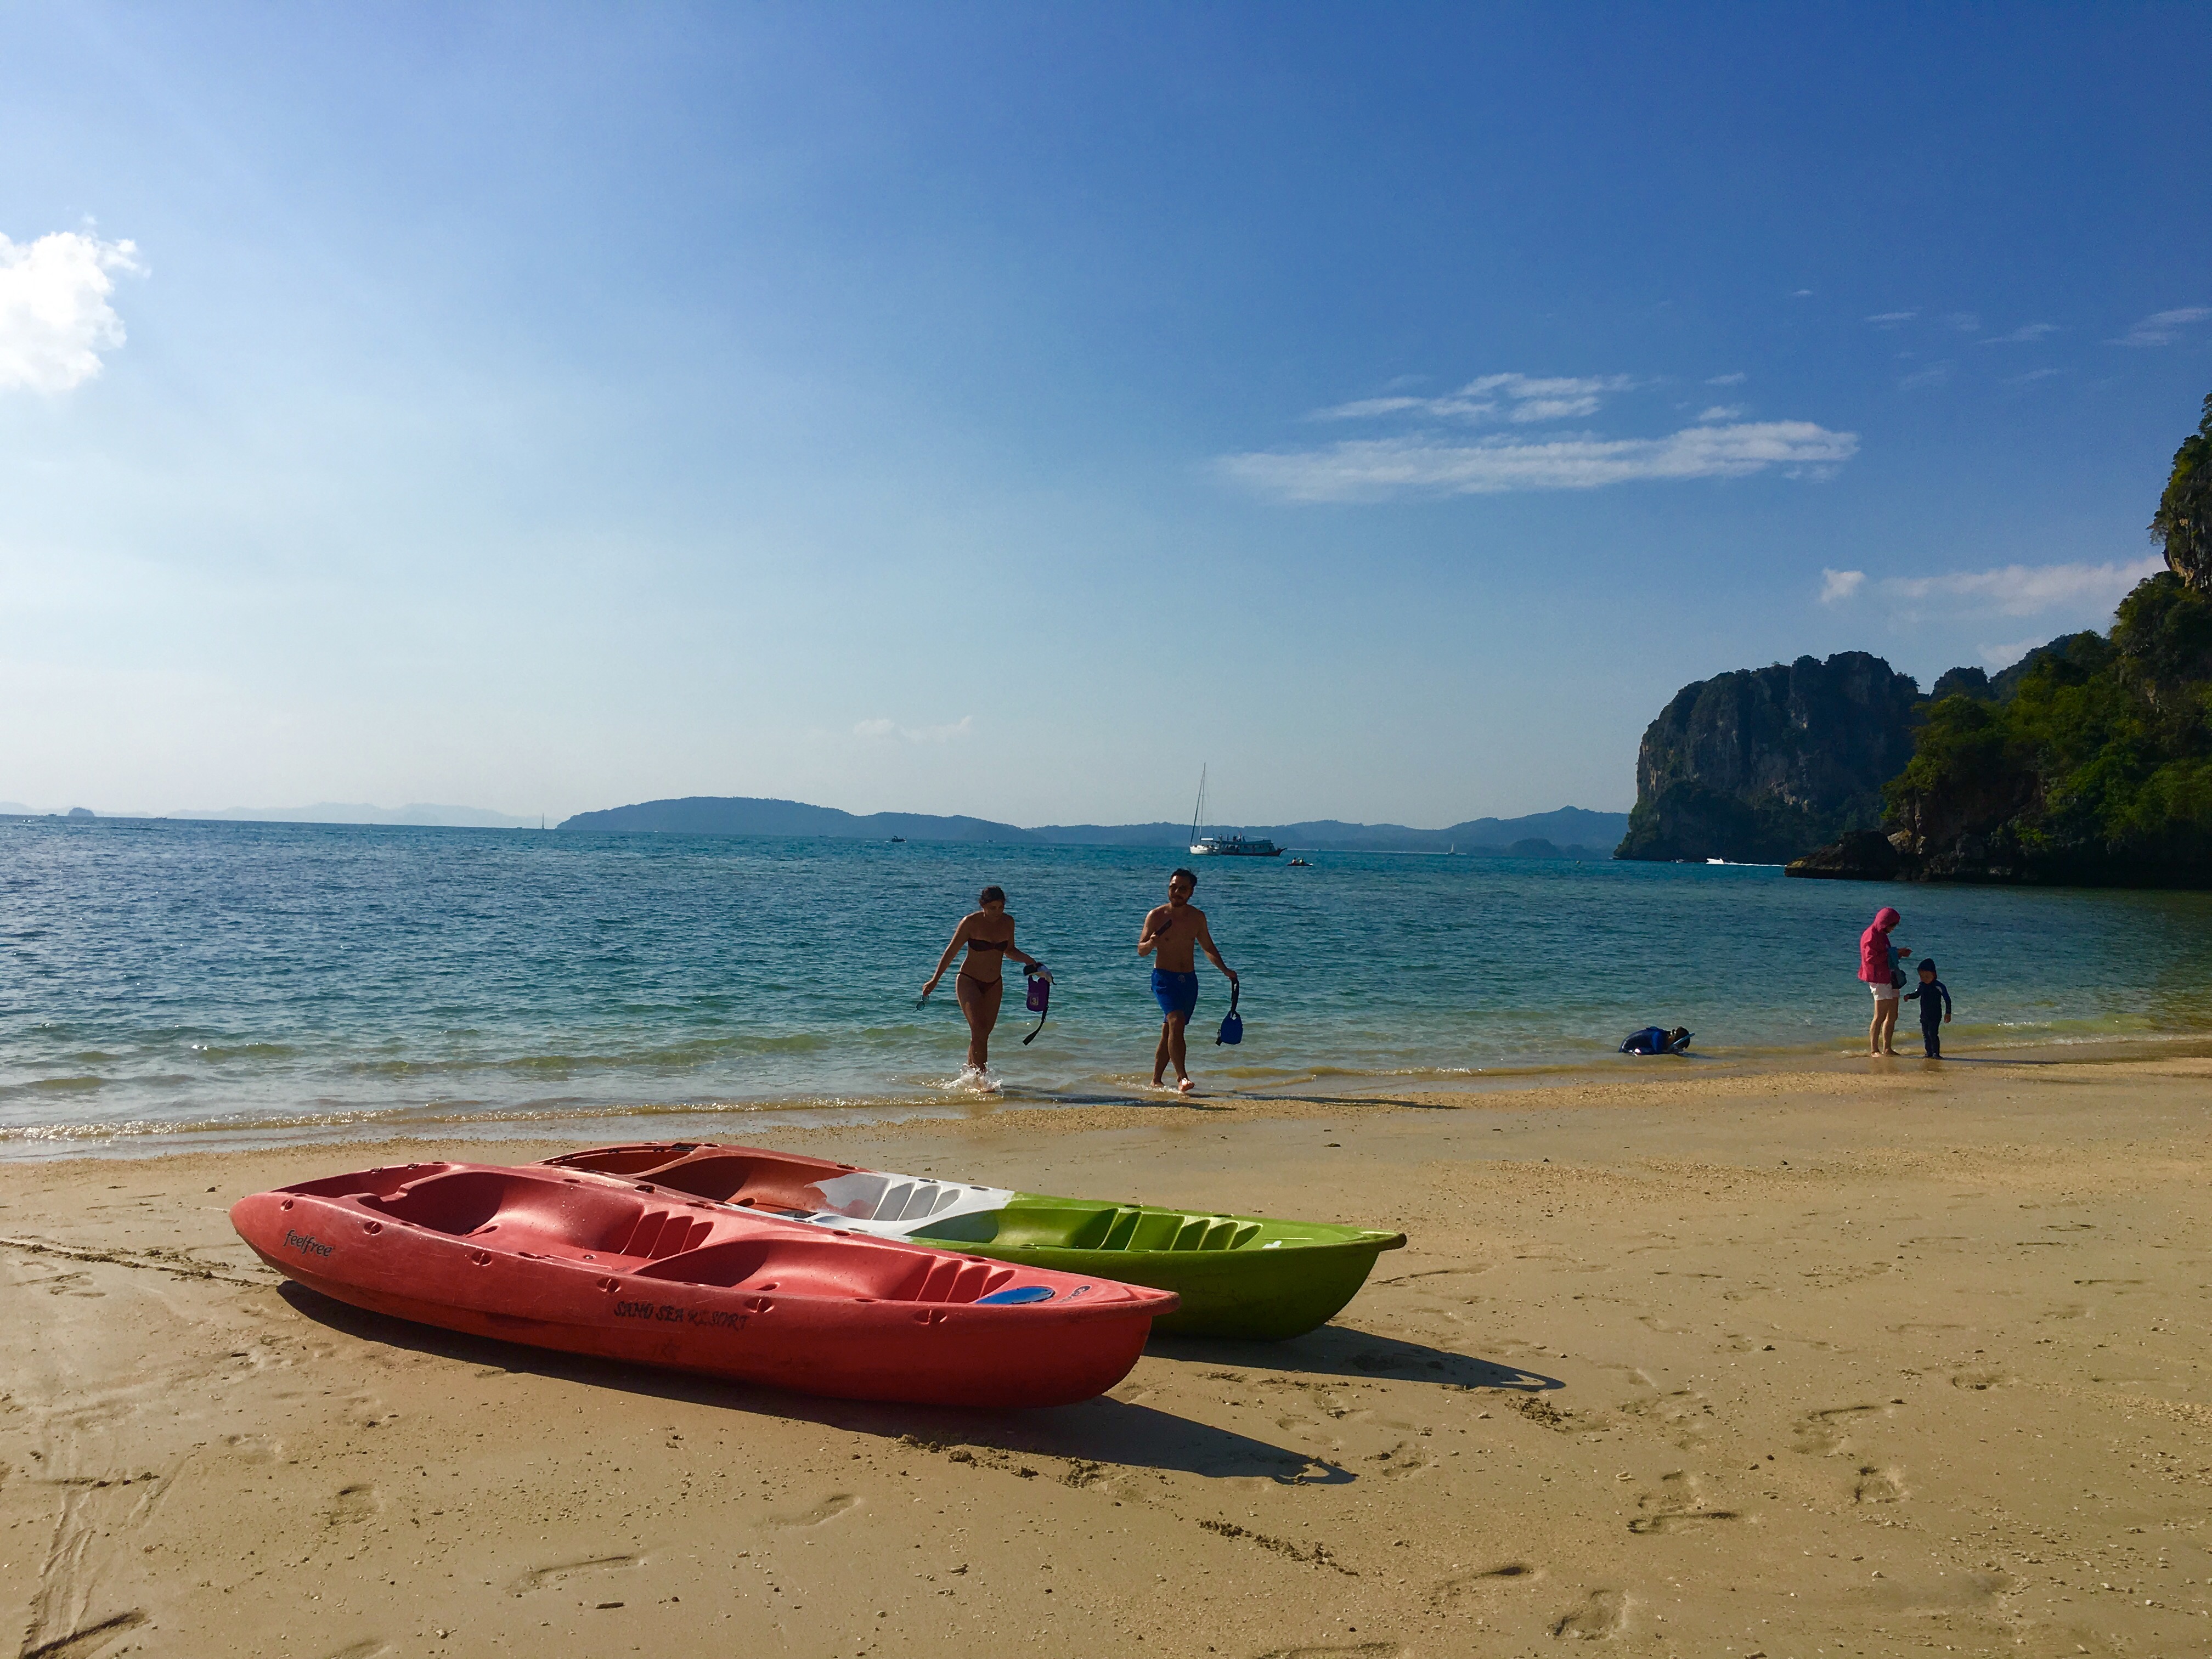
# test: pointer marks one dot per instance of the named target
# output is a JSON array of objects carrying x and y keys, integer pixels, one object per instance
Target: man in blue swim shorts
[{"x": 1177, "y": 931}]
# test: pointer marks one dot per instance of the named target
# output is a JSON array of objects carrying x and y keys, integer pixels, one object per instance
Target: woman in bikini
[{"x": 989, "y": 935}]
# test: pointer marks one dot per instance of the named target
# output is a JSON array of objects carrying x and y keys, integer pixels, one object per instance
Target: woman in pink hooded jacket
[{"x": 1878, "y": 960}]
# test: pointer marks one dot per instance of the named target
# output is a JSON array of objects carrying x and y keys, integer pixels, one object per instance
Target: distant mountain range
[
  {"x": 419, "y": 813},
  {"x": 1571, "y": 832}
]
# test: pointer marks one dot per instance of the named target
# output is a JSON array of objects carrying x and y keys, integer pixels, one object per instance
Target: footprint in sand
[
  {"x": 252, "y": 1447},
  {"x": 828, "y": 1509},
  {"x": 1680, "y": 1504},
  {"x": 1402, "y": 1460},
  {"x": 1538, "y": 1409},
  {"x": 1679, "y": 1412},
  {"x": 1600, "y": 1613},
  {"x": 545, "y": 1577},
  {"x": 367, "y": 1648},
  {"x": 1877, "y": 1486},
  {"x": 1978, "y": 1380},
  {"x": 1677, "y": 1520},
  {"x": 1364, "y": 1650},
  {"x": 1824, "y": 1433},
  {"x": 1477, "y": 1587},
  {"x": 356, "y": 1503}
]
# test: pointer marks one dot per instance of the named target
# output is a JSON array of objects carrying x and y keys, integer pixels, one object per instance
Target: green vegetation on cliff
[
  {"x": 2097, "y": 768},
  {"x": 2089, "y": 760},
  {"x": 2184, "y": 518}
]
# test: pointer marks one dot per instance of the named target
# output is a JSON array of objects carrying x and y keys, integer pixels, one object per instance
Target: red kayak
[{"x": 631, "y": 1271}]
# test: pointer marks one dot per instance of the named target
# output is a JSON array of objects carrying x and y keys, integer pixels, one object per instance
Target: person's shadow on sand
[{"x": 1094, "y": 1433}]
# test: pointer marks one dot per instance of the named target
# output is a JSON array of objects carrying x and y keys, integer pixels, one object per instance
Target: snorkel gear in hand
[
  {"x": 1232, "y": 1024},
  {"x": 1039, "y": 1000}
]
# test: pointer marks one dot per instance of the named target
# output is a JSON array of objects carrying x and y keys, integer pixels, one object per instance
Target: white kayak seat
[{"x": 889, "y": 1205}]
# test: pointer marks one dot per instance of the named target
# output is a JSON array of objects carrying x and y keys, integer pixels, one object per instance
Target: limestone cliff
[
  {"x": 2087, "y": 762},
  {"x": 1762, "y": 765}
]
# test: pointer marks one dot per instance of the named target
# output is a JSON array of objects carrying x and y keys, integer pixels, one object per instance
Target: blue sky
[{"x": 1004, "y": 408}]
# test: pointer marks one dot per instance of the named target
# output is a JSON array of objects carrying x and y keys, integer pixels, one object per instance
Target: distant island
[
  {"x": 1571, "y": 832},
  {"x": 2088, "y": 762}
]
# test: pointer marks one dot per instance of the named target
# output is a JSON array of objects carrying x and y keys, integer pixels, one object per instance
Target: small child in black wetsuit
[{"x": 1934, "y": 1000}]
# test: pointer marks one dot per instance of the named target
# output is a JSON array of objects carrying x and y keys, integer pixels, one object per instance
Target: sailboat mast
[{"x": 1198, "y": 807}]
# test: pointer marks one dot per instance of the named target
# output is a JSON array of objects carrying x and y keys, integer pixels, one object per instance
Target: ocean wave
[
  {"x": 219, "y": 1052},
  {"x": 407, "y": 1119},
  {"x": 674, "y": 1056}
]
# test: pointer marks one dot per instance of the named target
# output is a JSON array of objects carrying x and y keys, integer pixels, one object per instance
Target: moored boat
[
  {"x": 1243, "y": 1276},
  {"x": 632, "y": 1270},
  {"x": 1226, "y": 846}
]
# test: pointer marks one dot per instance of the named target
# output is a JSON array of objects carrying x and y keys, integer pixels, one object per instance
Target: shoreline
[
  {"x": 1428, "y": 1089},
  {"x": 1771, "y": 1361}
]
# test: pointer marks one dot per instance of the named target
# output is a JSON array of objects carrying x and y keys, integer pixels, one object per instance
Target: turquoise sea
[{"x": 164, "y": 984}]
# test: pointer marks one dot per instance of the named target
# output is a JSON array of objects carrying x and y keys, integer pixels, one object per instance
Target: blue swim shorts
[{"x": 1177, "y": 992}]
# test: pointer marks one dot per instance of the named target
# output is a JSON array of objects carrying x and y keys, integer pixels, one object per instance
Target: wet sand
[{"x": 1793, "y": 1363}]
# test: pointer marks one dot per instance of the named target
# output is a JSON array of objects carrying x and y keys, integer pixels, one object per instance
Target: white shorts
[{"x": 1885, "y": 992}]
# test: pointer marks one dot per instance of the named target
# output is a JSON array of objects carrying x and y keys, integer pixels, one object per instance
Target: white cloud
[
  {"x": 1839, "y": 585},
  {"x": 2161, "y": 327},
  {"x": 884, "y": 730},
  {"x": 2031, "y": 377},
  {"x": 55, "y": 319},
  {"x": 1892, "y": 318},
  {"x": 2020, "y": 590},
  {"x": 1934, "y": 374},
  {"x": 1372, "y": 470},
  {"x": 1802, "y": 294},
  {"x": 1736, "y": 378},
  {"x": 1520, "y": 399},
  {"x": 1553, "y": 397},
  {"x": 1723, "y": 412},
  {"x": 1965, "y": 321},
  {"x": 2004, "y": 656},
  {"x": 1367, "y": 408},
  {"x": 2025, "y": 334}
]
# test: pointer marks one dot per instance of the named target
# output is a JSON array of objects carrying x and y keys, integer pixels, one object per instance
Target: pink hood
[{"x": 1873, "y": 947}]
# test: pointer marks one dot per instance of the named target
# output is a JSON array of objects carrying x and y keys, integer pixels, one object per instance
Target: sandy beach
[{"x": 1783, "y": 1363}]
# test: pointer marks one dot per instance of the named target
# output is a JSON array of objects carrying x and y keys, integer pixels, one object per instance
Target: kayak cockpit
[
  {"x": 642, "y": 1231},
  {"x": 1035, "y": 1222},
  {"x": 801, "y": 1188}
]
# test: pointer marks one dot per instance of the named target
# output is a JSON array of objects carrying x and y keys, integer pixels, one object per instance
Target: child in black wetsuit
[{"x": 1934, "y": 1000}]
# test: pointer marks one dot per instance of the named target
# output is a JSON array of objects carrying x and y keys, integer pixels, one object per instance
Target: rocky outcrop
[
  {"x": 1762, "y": 765},
  {"x": 2182, "y": 522},
  {"x": 1863, "y": 855},
  {"x": 2087, "y": 764}
]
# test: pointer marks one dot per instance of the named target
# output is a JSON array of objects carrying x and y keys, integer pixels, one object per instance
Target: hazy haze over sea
[{"x": 161, "y": 982}]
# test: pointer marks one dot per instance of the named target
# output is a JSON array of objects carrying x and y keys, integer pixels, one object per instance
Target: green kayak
[{"x": 1238, "y": 1275}]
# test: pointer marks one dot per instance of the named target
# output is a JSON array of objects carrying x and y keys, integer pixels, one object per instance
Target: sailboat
[{"x": 1226, "y": 846}]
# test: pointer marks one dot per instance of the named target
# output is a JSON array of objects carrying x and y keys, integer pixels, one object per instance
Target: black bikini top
[{"x": 990, "y": 944}]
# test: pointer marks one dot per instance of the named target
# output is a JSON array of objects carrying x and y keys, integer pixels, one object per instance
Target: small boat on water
[
  {"x": 1244, "y": 1276},
  {"x": 1299, "y": 864},
  {"x": 632, "y": 1270},
  {"x": 1226, "y": 846}
]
